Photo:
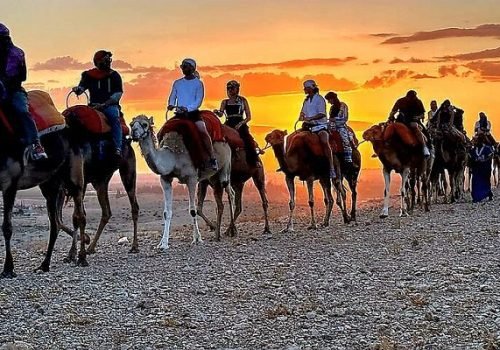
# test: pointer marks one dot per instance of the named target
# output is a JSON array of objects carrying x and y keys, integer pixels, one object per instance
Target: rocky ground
[{"x": 429, "y": 281}]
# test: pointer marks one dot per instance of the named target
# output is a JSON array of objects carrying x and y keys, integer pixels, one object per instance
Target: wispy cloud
[
  {"x": 485, "y": 30},
  {"x": 448, "y": 70},
  {"x": 478, "y": 55},
  {"x": 423, "y": 76},
  {"x": 488, "y": 71},
  {"x": 410, "y": 60},
  {"x": 387, "y": 78},
  {"x": 61, "y": 64}
]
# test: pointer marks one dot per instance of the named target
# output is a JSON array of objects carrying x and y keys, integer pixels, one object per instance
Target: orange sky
[{"x": 370, "y": 52}]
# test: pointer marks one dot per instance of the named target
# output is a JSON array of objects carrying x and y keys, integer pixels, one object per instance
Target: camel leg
[
  {"x": 192, "y": 209},
  {"x": 341, "y": 199},
  {"x": 238, "y": 191},
  {"x": 128, "y": 175},
  {"x": 291, "y": 204},
  {"x": 232, "y": 231},
  {"x": 425, "y": 190},
  {"x": 326, "y": 185},
  {"x": 218, "y": 192},
  {"x": 387, "y": 188},
  {"x": 353, "y": 184},
  {"x": 9, "y": 197},
  {"x": 260, "y": 182},
  {"x": 166, "y": 185},
  {"x": 80, "y": 217},
  {"x": 103, "y": 198},
  {"x": 404, "y": 199},
  {"x": 452, "y": 186},
  {"x": 310, "y": 192},
  {"x": 50, "y": 191},
  {"x": 202, "y": 193},
  {"x": 412, "y": 183}
]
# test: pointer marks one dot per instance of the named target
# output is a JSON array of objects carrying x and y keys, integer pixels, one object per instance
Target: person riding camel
[
  {"x": 234, "y": 107},
  {"x": 445, "y": 115},
  {"x": 432, "y": 115},
  {"x": 13, "y": 96},
  {"x": 410, "y": 110},
  {"x": 313, "y": 114},
  {"x": 106, "y": 89},
  {"x": 339, "y": 114},
  {"x": 483, "y": 127},
  {"x": 186, "y": 97}
]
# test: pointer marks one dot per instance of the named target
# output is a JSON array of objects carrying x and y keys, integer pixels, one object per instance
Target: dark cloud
[
  {"x": 387, "y": 78},
  {"x": 485, "y": 30},
  {"x": 488, "y": 71},
  {"x": 61, "y": 64},
  {"x": 34, "y": 86},
  {"x": 423, "y": 76},
  {"x": 448, "y": 70},
  {"x": 383, "y": 35},
  {"x": 410, "y": 60},
  {"x": 479, "y": 55}
]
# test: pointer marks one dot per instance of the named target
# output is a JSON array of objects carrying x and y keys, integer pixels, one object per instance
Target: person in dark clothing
[
  {"x": 13, "y": 96},
  {"x": 481, "y": 155},
  {"x": 410, "y": 111},
  {"x": 106, "y": 89},
  {"x": 234, "y": 107}
]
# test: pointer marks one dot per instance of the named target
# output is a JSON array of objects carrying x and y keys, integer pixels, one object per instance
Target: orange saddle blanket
[{"x": 88, "y": 119}]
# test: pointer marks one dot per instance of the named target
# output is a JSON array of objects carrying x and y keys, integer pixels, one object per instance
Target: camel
[
  {"x": 99, "y": 167},
  {"x": 63, "y": 168},
  {"x": 394, "y": 154},
  {"x": 241, "y": 172},
  {"x": 173, "y": 160},
  {"x": 304, "y": 158}
]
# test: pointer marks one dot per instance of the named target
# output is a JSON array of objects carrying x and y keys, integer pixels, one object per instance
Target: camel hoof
[
  {"x": 91, "y": 249},
  {"x": 267, "y": 231},
  {"x": 287, "y": 230},
  {"x": 43, "y": 268},
  {"x": 82, "y": 262},
  {"x": 312, "y": 227},
  {"x": 196, "y": 241},
  {"x": 9, "y": 274},
  {"x": 383, "y": 216},
  {"x": 404, "y": 214},
  {"x": 69, "y": 259},
  {"x": 211, "y": 227},
  {"x": 134, "y": 250}
]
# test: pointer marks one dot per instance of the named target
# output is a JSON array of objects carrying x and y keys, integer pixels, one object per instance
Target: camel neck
[
  {"x": 159, "y": 165},
  {"x": 279, "y": 152}
]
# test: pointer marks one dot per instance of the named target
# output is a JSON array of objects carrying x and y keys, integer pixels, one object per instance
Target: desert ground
[{"x": 427, "y": 281}]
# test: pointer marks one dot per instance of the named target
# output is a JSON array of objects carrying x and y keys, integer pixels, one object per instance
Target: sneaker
[
  {"x": 214, "y": 165},
  {"x": 38, "y": 152}
]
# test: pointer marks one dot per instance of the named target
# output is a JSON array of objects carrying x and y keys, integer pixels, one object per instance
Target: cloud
[
  {"x": 119, "y": 64},
  {"x": 383, "y": 35},
  {"x": 488, "y": 71},
  {"x": 448, "y": 70},
  {"x": 52, "y": 81},
  {"x": 34, "y": 86},
  {"x": 485, "y": 30},
  {"x": 387, "y": 78},
  {"x": 410, "y": 60},
  {"x": 377, "y": 60},
  {"x": 479, "y": 55},
  {"x": 423, "y": 76},
  {"x": 60, "y": 64}
]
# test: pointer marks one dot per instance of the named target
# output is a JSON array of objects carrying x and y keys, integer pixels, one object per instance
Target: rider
[
  {"x": 106, "y": 89},
  {"x": 432, "y": 114},
  {"x": 483, "y": 126},
  {"x": 187, "y": 96},
  {"x": 445, "y": 115},
  {"x": 339, "y": 114},
  {"x": 234, "y": 107},
  {"x": 410, "y": 110},
  {"x": 313, "y": 114},
  {"x": 12, "y": 74}
]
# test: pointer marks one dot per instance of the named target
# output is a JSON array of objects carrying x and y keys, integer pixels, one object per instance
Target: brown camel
[
  {"x": 241, "y": 172},
  {"x": 394, "y": 154},
  {"x": 304, "y": 158},
  {"x": 63, "y": 168},
  {"x": 99, "y": 167}
]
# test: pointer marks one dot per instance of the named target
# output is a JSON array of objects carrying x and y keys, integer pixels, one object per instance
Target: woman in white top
[
  {"x": 313, "y": 114},
  {"x": 187, "y": 96}
]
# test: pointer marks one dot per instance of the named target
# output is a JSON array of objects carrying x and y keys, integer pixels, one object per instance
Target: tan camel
[
  {"x": 100, "y": 166},
  {"x": 171, "y": 161},
  {"x": 394, "y": 154},
  {"x": 304, "y": 158},
  {"x": 241, "y": 172},
  {"x": 63, "y": 168}
]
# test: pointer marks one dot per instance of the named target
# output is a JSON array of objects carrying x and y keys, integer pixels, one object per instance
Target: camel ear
[
  {"x": 151, "y": 121},
  {"x": 286, "y": 132}
]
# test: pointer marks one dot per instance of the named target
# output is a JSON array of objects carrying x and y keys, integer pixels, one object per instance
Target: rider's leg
[
  {"x": 112, "y": 113},
  {"x": 324, "y": 138},
  {"x": 205, "y": 137}
]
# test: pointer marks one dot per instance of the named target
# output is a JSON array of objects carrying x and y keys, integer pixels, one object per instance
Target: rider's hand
[
  {"x": 182, "y": 109},
  {"x": 217, "y": 112},
  {"x": 391, "y": 119},
  {"x": 301, "y": 116},
  {"x": 99, "y": 106},
  {"x": 170, "y": 107},
  {"x": 77, "y": 90}
]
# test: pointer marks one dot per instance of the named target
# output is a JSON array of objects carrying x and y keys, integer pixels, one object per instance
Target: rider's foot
[{"x": 38, "y": 152}]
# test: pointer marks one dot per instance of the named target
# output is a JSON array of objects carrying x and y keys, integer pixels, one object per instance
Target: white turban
[
  {"x": 189, "y": 61},
  {"x": 310, "y": 84}
]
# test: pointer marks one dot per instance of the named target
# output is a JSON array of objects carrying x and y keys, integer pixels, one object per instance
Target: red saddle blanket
[
  {"x": 336, "y": 140},
  {"x": 91, "y": 120},
  {"x": 402, "y": 131},
  {"x": 191, "y": 136},
  {"x": 43, "y": 111}
]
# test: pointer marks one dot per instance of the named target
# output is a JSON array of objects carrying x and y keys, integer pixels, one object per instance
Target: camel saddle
[
  {"x": 43, "y": 111},
  {"x": 336, "y": 140},
  {"x": 90, "y": 120},
  {"x": 233, "y": 138},
  {"x": 191, "y": 135},
  {"x": 402, "y": 131}
]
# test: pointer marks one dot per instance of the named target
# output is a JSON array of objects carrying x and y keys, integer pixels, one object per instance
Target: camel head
[
  {"x": 276, "y": 137},
  {"x": 374, "y": 133},
  {"x": 141, "y": 127}
]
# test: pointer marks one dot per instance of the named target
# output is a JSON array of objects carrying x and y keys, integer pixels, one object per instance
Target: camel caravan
[{"x": 62, "y": 153}]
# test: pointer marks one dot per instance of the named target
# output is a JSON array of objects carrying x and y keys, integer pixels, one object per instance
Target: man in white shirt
[
  {"x": 313, "y": 114},
  {"x": 431, "y": 115},
  {"x": 187, "y": 97}
]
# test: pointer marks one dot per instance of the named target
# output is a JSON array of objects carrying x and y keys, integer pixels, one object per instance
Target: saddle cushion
[
  {"x": 336, "y": 140},
  {"x": 191, "y": 136},
  {"x": 44, "y": 112},
  {"x": 402, "y": 131},
  {"x": 91, "y": 120}
]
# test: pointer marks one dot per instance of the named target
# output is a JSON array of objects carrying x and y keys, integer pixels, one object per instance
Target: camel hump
[
  {"x": 336, "y": 140},
  {"x": 306, "y": 140},
  {"x": 90, "y": 120},
  {"x": 403, "y": 132},
  {"x": 45, "y": 114},
  {"x": 232, "y": 137}
]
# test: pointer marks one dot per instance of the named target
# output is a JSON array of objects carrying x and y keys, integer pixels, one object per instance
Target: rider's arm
[
  {"x": 222, "y": 108},
  {"x": 246, "y": 107},
  {"x": 172, "y": 99},
  {"x": 198, "y": 98}
]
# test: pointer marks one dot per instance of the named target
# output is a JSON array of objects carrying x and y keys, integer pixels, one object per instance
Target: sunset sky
[{"x": 370, "y": 52}]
